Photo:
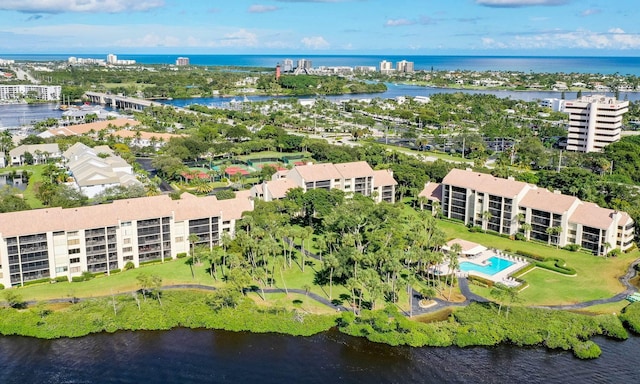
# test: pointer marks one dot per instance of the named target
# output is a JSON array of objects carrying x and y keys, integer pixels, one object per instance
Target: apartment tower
[{"x": 594, "y": 122}]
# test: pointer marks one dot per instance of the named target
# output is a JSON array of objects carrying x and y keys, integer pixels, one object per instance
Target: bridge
[{"x": 120, "y": 102}]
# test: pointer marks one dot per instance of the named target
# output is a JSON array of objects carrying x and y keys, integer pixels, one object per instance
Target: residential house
[{"x": 40, "y": 153}]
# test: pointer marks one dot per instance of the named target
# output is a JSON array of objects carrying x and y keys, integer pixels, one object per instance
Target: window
[
  {"x": 61, "y": 269},
  {"x": 179, "y": 239},
  {"x": 74, "y": 251},
  {"x": 127, "y": 241},
  {"x": 127, "y": 249},
  {"x": 75, "y": 269},
  {"x": 72, "y": 233},
  {"x": 73, "y": 241},
  {"x": 74, "y": 260}
]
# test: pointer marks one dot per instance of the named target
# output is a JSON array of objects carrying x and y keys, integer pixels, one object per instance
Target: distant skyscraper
[
  {"x": 404, "y": 66},
  {"x": 594, "y": 122},
  {"x": 287, "y": 65},
  {"x": 386, "y": 66},
  {"x": 182, "y": 61},
  {"x": 112, "y": 59},
  {"x": 304, "y": 64}
]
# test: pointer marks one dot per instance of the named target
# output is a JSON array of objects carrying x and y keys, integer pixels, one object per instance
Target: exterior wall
[
  {"x": 40, "y": 92},
  {"x": 70, "y": 253},
  {"x": 594, "y": 122}
]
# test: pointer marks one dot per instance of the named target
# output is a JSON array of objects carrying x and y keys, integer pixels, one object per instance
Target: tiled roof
[
  {"x": 432, "y": 191},
  {"x": 383, "y": 177},
  {"x": 545, "y": 200},
  {"x": 278, "y": 188},
  {"x": 484, "y": 183},
  {"x": 592, "y": 215},
  {"x": 58, "y": 219},
  {"x": 318, "y": 172},
  {"x": 73, "y": 130},
  {"x": 354, "y": 169}
]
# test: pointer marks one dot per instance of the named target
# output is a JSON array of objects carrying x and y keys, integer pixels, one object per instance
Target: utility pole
[{"x": 560, "y": 160}]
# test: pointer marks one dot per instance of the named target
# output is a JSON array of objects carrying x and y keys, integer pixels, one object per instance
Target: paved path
[{"x": 416, "y": 309}]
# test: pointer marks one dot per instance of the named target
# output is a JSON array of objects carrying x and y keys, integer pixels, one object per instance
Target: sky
[{"x": 349, "y": 27}]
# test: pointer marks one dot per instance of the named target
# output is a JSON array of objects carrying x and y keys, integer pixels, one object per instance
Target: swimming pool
[{"x": 494, "y": 265}]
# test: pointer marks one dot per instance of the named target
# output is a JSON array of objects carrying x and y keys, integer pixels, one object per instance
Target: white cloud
[
  {"x": 398, "y": 22},
  {"x": 519, "y": 3},
  {"x": 315, "y": 42},
  {"x": 258, "y": 8},
  {"x": 93, "y": 6},
  {"x": 614, "y": 38},
  {"x": 133, "y": 36},
  {"x": 589, "y": 12}
]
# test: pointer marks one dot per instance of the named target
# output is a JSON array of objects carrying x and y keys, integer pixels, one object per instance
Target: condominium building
[
  {"x": 112, "y": 59},
  {"x": 404, "y": 66},
  {"x": 505, "y": 205},
  {"x": 304, "y": 64},
  {"x": 287, "y": 65},
  {"x": 182, "y": 61},
  {"x": 354, "y": 177},
  {"x": 54, "y": 242},
  {"x": 594, "y": 122},
  {"x": 386, "y": 67},
  {"x": 39, "y": 92}
]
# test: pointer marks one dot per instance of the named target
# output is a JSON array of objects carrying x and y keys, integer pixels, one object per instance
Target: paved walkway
[{"x": 417, "y": 310}]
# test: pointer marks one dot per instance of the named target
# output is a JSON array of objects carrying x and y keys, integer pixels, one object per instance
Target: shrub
[
  {"x": 114, "y": 271},
  {"x": 572, "y": 247},
  {"x": 480, "y": 281},
  {"x": 61, "y": 279},
  {"x": 77, "y": 279},
  {"x": 519, "y": 236},
  {"x": 586, "y": 350},
  {"x": 1, "y": 287},
  {"x": 181, "y": 255},
  {"x": 129, "y": 265}
]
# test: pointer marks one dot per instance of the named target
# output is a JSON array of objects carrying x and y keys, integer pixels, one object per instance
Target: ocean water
[{"x": 536, "y": 64}]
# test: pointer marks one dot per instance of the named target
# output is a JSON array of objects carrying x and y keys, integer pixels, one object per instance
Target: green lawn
[
  {"x": 596, "y": 277},
  {"x": 36, "y": 176},
  {"x": 172, "y": 272}
]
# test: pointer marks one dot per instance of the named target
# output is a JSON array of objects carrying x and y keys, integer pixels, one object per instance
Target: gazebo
[{"x": 469, "y": 249}]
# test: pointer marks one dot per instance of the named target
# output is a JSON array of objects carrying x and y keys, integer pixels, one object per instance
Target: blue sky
[{"x": 416, "y": 27}]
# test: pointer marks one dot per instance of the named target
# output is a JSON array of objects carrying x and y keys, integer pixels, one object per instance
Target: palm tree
[
  {"x": 454, "y": 253},
  {"x": 332, "y": 263},
  {"x": 193, "y": 239},
  {"x": 526, "y": 227},
  {"x": 605, "y": 248},
  {"x": 486, "y": 217},
  {"x": 499, "y": 295}
]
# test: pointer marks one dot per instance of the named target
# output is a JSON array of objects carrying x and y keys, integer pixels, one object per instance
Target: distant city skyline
[{"x": 465, "y": 27}]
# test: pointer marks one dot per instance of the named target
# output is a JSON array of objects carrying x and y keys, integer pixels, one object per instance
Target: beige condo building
[
  {"x": 505, "y": 205},
  {"x": 54, "y": 242}
]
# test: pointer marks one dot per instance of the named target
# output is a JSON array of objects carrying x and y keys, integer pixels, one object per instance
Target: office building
[
  {"x": 594, "y": 122},
  {"x": 287, "y": 65}
]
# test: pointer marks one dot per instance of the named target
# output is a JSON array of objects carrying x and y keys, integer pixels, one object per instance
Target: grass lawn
[
  {"x": 172, "y": 272},
  {"x": 596, "y": 277},
  {"x": 36, "y": 175},
  {"x": 292, "y": 300},
  {"x": 603, "y": 309}
]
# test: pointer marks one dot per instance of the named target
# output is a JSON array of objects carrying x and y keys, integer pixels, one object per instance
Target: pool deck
[{"x": 499, "y": 277}]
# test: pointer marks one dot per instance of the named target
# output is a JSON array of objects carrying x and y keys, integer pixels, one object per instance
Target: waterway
[
  {"x": 201, "y": 356},
  {"x": 16, "y": 115}
]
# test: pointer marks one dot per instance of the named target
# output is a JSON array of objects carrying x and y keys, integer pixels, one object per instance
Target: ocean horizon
[{"x": 622, "y": 65}]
